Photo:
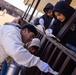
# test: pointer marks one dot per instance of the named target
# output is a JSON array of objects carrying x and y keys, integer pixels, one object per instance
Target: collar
[{"x": 13, "y": 24}]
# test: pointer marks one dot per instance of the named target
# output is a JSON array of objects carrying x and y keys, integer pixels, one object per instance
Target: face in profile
[
  {"x": 49, "y": 13},
  {"x": 60, "y": 16},
  {"x": 27, "y": 36}
]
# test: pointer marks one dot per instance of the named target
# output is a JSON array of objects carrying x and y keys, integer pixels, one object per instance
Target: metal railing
[{"x": 56, "y": 55}]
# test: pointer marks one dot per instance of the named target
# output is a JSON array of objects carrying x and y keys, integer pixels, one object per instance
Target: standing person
[
  {"x": 12, "y": 39},
  {"x": 62, "y": 12}
]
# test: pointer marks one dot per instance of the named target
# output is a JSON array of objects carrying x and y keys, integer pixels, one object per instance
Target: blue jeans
[{"x": 4, "y": 68}]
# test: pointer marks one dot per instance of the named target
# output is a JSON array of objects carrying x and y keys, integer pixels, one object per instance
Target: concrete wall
[{"x": 10, "y": 9}]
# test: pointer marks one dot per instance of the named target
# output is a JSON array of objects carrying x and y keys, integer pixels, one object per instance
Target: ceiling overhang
[{"x": 44, "y": 2}]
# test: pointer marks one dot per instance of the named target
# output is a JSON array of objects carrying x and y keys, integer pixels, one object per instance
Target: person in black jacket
[
  {"x": 62, "y": 12},
  {"x": 46, "y": 19}
]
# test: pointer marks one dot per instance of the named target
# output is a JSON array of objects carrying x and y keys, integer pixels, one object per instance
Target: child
[{"x": 32, "y": 46}]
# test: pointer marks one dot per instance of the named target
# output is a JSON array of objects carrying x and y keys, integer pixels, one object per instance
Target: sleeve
[
  {"x": 15, "y": 48},
  {"x": 55, "y": 27},
  {"x": 41, "y": 21}
]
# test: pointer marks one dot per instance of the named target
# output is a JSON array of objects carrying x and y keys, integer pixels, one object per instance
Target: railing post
[{"x": 34, "y": 10}]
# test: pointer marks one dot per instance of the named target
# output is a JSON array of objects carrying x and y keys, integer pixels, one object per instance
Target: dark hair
[
  {"x": 0, "y": 8},
  {"x": 35, "y": 47},
  {"x": 36, "y": 21},
  {"x": 64, "y": 8},
  {"x": 30, "y": 27},
  {"x": 49, "y": 6}
]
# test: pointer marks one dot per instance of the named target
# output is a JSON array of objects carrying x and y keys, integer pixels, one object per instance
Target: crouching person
[{"x": 32, "y": 46}]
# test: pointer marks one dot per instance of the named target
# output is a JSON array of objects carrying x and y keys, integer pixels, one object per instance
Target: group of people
[
  {"x": 55, "y": 18},
  {"x": 13, "y": 37}
]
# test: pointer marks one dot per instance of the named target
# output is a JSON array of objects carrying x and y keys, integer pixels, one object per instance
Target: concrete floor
[{"x": 4, "y": 17}]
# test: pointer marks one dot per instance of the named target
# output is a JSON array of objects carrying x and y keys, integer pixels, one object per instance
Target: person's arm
[
  {"x": 14, "y": 47},
  {"x": 16, "y": 20},
  {"x": 41, "y": 22}
]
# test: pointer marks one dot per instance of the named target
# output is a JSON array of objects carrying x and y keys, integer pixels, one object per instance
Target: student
[
  {"x": 32, "y": 46},
  {"x": 62, "y": 12},
  {"x": 45, "y": 19},
  {"x": 12, "y": 39}
]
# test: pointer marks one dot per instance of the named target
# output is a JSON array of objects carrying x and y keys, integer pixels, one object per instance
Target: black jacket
[
  {"x": 47, "y": 20},
  {"x": 67, "y": 11}
]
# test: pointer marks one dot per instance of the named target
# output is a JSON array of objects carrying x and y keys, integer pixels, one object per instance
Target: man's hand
[
  {"x": 16, "y": 20},
  {"x": 46, "y": 68}
]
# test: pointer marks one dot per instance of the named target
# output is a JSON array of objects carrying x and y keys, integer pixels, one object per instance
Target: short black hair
[
  {"x": 48, "y": 6},
  {"x": 30, "y": 28}
]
